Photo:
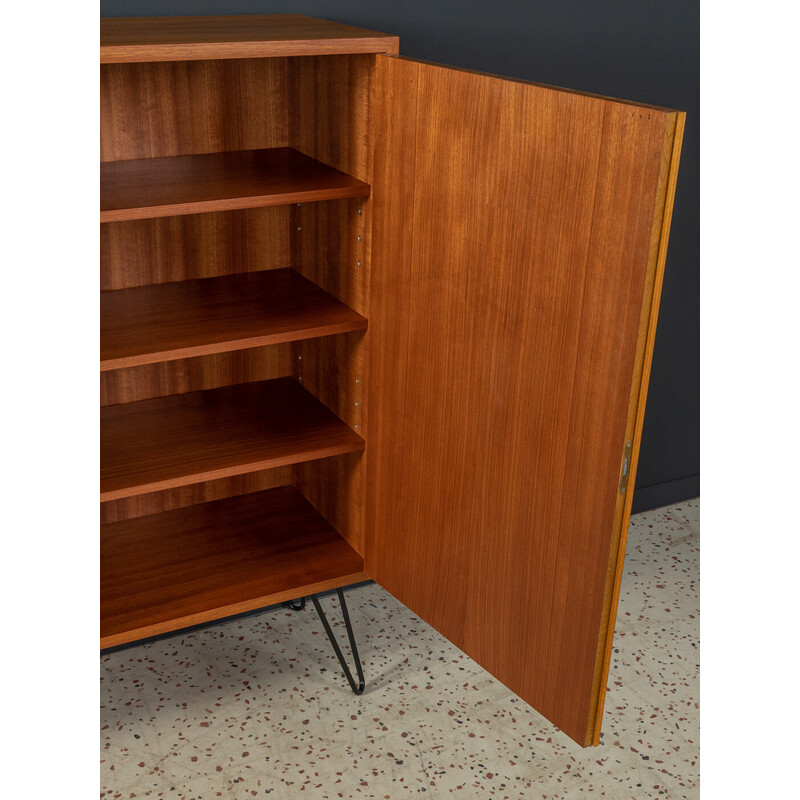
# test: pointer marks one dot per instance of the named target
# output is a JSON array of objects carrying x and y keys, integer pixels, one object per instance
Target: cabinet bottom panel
[{"x": 167, "y": 571}]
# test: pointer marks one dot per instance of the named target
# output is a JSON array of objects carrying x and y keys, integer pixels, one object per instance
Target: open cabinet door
[{"x": 519, "y": 241}]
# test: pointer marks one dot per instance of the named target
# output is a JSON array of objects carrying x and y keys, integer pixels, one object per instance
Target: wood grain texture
[
  {"x": 635, "y": 421},
  {"x": 189, "y": 375},
  {"x": 326, "y": 248},
  {"x": 240, "y": 36},
  {"x": 331, "y": 369},
  {"x": 131, "y": 384},
  {"x": 148, "y": 251},
  {"x": 513, "y": 226},
  {"x": 164, "y": 572},
  {"x": 184, "y": 439},
  {"x": 330, "y": 120},
  {"x": 329, "y": 112},
  {"x": 160, "y": 187},
  {"x": 170, "y": 499},
  {"x": 190, "y": 107},
  {"x": 151, "y": 324}
]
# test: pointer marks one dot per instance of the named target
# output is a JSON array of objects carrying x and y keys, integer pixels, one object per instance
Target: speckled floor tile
[{"x": 259, "y": 708}]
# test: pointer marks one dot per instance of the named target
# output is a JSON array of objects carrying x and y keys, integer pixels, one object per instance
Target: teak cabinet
[{"x": 369, "y": 317}]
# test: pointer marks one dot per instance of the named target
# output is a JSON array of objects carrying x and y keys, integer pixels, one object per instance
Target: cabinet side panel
[
  {"x": 513, "y": 231},
  {"x": 331, "y": 369},
  {"x": 148, "y": 110},
  {"x": 329, "y": 112},
  {"x": 331, "y": 244}
]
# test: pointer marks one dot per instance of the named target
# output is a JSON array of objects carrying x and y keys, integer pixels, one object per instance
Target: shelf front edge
[
  {"x": 213, "y": 615},
  {"x": 232, "y": 204},
  {"x": 228, "y": 472},
  {"x": 229, "y": 346}
]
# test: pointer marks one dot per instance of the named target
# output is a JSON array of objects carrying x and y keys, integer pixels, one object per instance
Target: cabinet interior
[{"x": 319, "y": 106}]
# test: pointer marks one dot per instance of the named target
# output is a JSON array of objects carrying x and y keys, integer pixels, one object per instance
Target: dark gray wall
[{"x": 643, "y": 50}]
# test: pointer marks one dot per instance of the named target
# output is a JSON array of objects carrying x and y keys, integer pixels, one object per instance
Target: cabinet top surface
[{"x": 241, "y": 36}]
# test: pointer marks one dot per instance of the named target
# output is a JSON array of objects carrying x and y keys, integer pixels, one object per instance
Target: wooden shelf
[
  {"x": 167, "y": 571},
  {"x": 188, "y": 438},
  {"x": 240, "y": 36},
  {"x": 157, "y": 323},
  {"x": 160, "y": 187}
]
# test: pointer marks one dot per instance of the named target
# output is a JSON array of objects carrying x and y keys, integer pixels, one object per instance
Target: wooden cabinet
[{"x": 368, "y": 317}]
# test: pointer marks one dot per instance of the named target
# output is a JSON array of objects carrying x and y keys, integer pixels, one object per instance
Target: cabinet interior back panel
[
  {"x": 148, "y": 251},
  {"x": 150, "y": 110},
  {"x": 131, "y": 384},
  {"x": 176, "y": 108},
  {"x": 182, "y": 496}
]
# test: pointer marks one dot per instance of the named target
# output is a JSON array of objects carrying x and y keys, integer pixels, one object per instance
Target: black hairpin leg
[{"x": 299, "y": 605}]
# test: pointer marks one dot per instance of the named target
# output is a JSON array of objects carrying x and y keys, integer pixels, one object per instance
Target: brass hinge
[{"x": 626, "y": 467}]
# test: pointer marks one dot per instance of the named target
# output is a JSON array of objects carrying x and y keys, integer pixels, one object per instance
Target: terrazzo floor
[{"x": 258, "y": 707}]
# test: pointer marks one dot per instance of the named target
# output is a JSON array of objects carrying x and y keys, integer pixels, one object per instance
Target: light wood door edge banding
[{"x": 633, "y": 430}]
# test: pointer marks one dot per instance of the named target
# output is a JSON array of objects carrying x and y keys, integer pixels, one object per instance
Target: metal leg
[
  {"x": 357, "y": 689},
  {"x": 300, "y": 604}
]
